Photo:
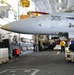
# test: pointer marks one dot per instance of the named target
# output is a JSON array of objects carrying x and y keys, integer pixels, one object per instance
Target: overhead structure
[
  {"x": 4, "y": 2},
  {"x": 52, "y": 6},
  {"x": 4, "y": 5},
  {"x": 2, "y": 8}
]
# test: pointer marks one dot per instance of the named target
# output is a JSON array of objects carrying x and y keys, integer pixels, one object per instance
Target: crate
[{"x": 3, "y": 55}]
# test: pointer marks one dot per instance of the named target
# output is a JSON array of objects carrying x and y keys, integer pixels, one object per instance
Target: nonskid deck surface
[{"x": 38, "y": 63}]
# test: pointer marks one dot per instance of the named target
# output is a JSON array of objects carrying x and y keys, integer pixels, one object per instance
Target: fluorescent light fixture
[
  {"x": 60, "y": 8},
  {"x": 60, "y": 1}
]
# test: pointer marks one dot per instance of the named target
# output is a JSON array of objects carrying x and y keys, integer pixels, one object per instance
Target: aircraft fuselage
[{"x": 46, "y": 24}]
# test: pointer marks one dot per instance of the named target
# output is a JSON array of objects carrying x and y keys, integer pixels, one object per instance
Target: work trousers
[{"x": 62, "y": 48}]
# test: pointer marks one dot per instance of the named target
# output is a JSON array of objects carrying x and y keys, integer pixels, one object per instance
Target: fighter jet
[{"x": 45, "y": 24}]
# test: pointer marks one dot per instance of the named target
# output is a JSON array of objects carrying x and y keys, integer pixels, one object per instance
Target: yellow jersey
[{"x": 62, "y": 43}]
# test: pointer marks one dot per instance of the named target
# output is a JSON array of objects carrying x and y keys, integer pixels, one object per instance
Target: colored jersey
[{"x": 62, "y": 43}]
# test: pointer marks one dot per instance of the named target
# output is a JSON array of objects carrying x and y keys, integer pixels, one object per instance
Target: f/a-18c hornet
[{"x": 45, "y": 24}]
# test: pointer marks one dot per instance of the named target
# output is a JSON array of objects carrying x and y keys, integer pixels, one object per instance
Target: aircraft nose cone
[{"x": 6, "y": 27}]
